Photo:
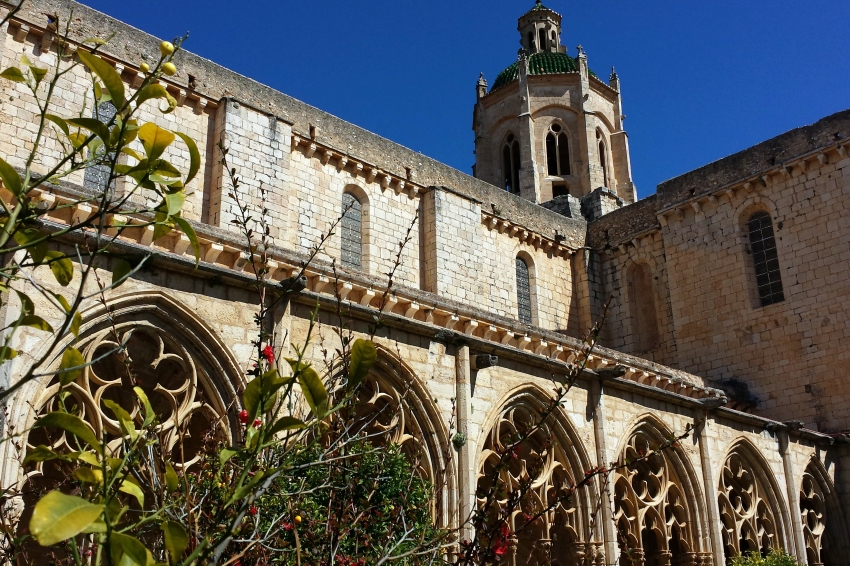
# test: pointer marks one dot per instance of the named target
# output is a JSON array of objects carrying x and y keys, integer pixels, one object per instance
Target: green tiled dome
[{"x": 543, "y": 63}]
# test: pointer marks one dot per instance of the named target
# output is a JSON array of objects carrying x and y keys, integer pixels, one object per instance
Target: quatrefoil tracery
[{"x": 747, "y": 518}]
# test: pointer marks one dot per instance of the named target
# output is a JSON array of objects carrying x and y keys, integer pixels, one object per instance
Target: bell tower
[{"x": 550, "y": 127}]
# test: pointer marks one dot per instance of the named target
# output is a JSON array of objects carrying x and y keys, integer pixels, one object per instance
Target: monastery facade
[{"x": 727, "y": 291}]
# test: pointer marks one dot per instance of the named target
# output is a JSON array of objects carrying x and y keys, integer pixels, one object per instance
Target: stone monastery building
[{"x": 729, "y": 289}]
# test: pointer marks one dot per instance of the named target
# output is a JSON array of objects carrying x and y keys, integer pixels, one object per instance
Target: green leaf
[
  {"x": 123, "y": 417},
  {"x": 363, "y": 356},
  {"x": 176, "y": 539},
  {"x": 89, "y": 459},
  {"x": 61, "y": 266},
  {"x": 285, "y": 423},
  {"x": 76, "y": 321},
  {"x": 42, "y": 453},
  {"x": 120, "y": 272},
  {"x": 37, "y": 73},
  {"x": 71, "y": 358},
  {"x": 26, "y": 303},
  {"x": 14, "y": 74},
  {"x": 314, "y": 391},
  {"x": 130, "y": 488},
  {"x": 97, "y": 127},
  {"x": 174, "y": 202},
  {"x": 132, "y": 153},
  {"x": 63, "y": 301},
  {"x": 63, "y": 125},
  {"x": 155, "y": 139},
  {"x": 251, "y": 398},
  {"x": 153, "y": 91},
  {"x": 110, "y": 77},
  {"x": 143, "y": 397},
  {"x": 127, "y": 550},
  {"x": 26, "y": 237},
  {"x": 193, "y": 237},
  {"x": 89, "y": 475},
  {"x": 225, "y": 455},
  {"x": 194, "y": 157},
  {"x": 11, "y": 179},
  {"x": 171, "y": 480},
  {"x": 57, "y": 517},
  {"x": 35, "y": 321},
  {"x": 72, "y": 424}
]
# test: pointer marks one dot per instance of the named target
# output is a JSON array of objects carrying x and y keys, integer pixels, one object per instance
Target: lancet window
[
  {"x": 511, "y": 164},
  {"x": 351, "y": 230},
  {"x": 652, "y": 513},
  {"x": 748, "y": 519},
  {"x": 765, "y": 258},
  {"x": 523, "y": 291},
  {"x": 557, "y": 151},
  {"x": 97, "y": 176},
  {"x": 603, "y": 158}
]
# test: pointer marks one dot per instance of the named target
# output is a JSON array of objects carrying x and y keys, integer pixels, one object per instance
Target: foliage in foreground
[{"x": 775, "y": 557}]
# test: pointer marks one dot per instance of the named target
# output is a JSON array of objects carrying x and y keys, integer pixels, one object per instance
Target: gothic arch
[
  {"x": 189, "y": 374},
  {"x": 824, "y": 529},
  {"x": 564, "y": 533},
  {"x": 361, "y": 215},
  {"x": 531, "y": 288},
  {"x": 658, "y": 502},
  {"x": 753, "y": 514},
  {"x": 763, "y": 259},
  {"x": 403, "y": 408}
]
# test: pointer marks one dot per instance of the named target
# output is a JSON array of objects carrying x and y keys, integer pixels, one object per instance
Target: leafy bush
[{"x": 775, "y": 557}]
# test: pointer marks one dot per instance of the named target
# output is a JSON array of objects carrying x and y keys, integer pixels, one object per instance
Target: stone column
[
  {"x": 529, "y": 181},
  {"x": 465, "y": 460},
  {"x": 607, "y": 506},
  {"x": 799, "y": 542},
  {"x": 710, "y": 487}
]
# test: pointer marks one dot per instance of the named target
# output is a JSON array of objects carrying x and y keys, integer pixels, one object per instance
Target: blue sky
[{"x": 700, "y": 79}]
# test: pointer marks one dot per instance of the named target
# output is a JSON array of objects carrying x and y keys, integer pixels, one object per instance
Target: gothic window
[
  {"x": 542, "y": 461},
  {"x": 603, "y": 158},
  {"x": 642, "y": 306},
  {"x": 812, "y": 511},
  {"x": 97, "y": 176},
  {"x": 510, "y": 163},
  {"x": 557, "y": 151},
  {"x": 351, "y": 230},
  {"x": 523, "y": 291},
  {"x": 765, "y": 259},
  {"x": 824, "y": 529},
  {"x": 651, "y": 510},
  {"x": 747, "y": 517}
]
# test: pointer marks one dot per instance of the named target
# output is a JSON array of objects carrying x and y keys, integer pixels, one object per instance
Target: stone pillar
[
  {"x": 710, "y": 487},
  {"x": 529, "y": 181},
  {"x": 465, "y": 460},
  {"x": 607, "y": 504},
  {"x": 799, "y": 542}
]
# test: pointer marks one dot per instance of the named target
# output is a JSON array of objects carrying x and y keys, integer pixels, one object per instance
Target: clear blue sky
[{"x": 700, "y": 79}]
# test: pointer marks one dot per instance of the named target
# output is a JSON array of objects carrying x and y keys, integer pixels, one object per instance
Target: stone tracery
[
  {"x": 540, "y": 467},
  {"x": 748, "y": 517},
  {"x": 651, "y": 511}
]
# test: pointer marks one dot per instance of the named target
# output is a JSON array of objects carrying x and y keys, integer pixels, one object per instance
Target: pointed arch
[
  {"x": 753, "y": 514},
  {"x": 824, "y": 529},
  {"x": 658, "y": 502},
  {"x": 559, "y": 455}
]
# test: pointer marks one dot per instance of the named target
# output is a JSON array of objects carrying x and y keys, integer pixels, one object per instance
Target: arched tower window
[
  {"x": 603, "y": 158},
  {"x": 557, "y": 151},
  {"x": 765, "y": 258},
  {"x": 351, "y": 229},
  {"x": 642, "y": 307},
  {"x": 510, "y": 163},
  {"x": 523, "y": 291},
  {"x": 530, "y": 41},
  {"x": 541, "y": 35}
]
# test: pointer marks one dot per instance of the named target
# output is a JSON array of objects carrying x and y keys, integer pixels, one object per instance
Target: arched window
[
  {"x": 523, "y": 291},
  {"x": 530, "y": 41},
  {"x": 510, "y": 163},
  {"x": 642, "y": 307},
  {"x": 557, "y": 151},
  {"x": 97, "y": 176},
  {"x": 541, "y": 34},
  {"x": 603, "y": 158},
  {"x": 765, "y": 258},
  {"x": 351, "y": 229}
]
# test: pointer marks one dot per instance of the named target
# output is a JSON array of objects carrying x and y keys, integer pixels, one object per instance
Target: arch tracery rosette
[
  {"x": 748, "y": 518},
  {"x": 812, "y": 512},
  {"x": 537, "y": 481},
  {"x": 651, "y": 510}
]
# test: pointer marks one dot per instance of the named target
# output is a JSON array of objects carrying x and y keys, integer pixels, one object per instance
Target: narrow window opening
[
  {"x": 523, "y": 291},
  {"x": 530, "y": 41},
  {"x": 97, "y": 176},
  {"x": 541, "y": 38},
  {"x": 603, "y": 159},
  {"x": 557, "y": 151},
  {"x": 511, "y": 163},
  {"x": 765, "y": 259},
  {"x": 352, "y": 232}
]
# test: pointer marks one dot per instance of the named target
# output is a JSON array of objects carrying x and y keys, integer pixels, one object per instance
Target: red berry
[
  {"x": 258, "y": 422},
  {"x": 243, "y": 416},
  {"x": 252, "y": 510}
]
